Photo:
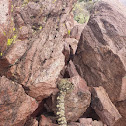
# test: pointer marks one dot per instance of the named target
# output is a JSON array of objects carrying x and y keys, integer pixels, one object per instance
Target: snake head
[{"x": 65, "y": 85}]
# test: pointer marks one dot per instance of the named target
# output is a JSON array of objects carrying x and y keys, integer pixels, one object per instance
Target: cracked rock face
[
  {"x": 31, "y": 122},
  {"x": 5, "y": 23},
  {"x": 36, "y": 59},
  {"x": 80, "y": 98},
  {"x": 90, "y": 122},
  {"x": 121, "y": 106},
  {"x": 103, "y": 106},
  {"x": 41, "y": 62},
  {"x": 100, "y": 57},
  {"x": 43, "y": 51},
  {"x": 76, "y": 101},
  {"x": 15, "y": 104}
]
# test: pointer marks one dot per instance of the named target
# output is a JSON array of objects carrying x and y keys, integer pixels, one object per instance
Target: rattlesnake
[{"x": 64, "y": 86}]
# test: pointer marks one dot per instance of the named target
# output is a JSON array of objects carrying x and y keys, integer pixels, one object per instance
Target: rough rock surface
[
  {"x": 36, "y": 62},
  {"x": 44, "y": 121},
  {"x": 121, "y": 106},
  {"x": 15, "y": 104},
  {"x": 5, "y": 23},
  {"x": 31, "y": 122},
  {"x": 100, "y": 57},
  {"x": 23, "y": 32},
  {"x": 43, "y": 38},
  {"x": 123, "y": 90},
  {"x": 74, "y": 124},
  {"x": 77, "y": 30},
  {"x": 80, "y": 98},
  {"x": 104, "y": 107},
  {"x": 121, "y": 122},
  {"x": 90, "y": 122},
  {"x": 71, "y": 70},
  {"x": 73, "y": 43}
]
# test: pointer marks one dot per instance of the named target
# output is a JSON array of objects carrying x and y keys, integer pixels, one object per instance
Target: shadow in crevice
[
  {"x": 42, "y": 110},
  {"x": 90, "y": 113}
]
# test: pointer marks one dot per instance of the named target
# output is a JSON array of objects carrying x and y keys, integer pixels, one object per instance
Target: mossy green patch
[
  {"x": 81, "y": 18},
  {"x": 82, "y": 9},
  {"x": 80, "y": 12}
]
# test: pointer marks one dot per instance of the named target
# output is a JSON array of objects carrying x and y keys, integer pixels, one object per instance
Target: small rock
[
  {"x": 121, "y": 106},
  {"x": 74, "y": 124},
  {"x": 41, "y": 91},
  {"x": 34, "y": 8},
  {"x": 73, "y": 43},
  {"x": 123, "y": 90},
  {"x": 97, "y": 123},
  {"x": 16, "y": 52},
  {"x": 18, "y": 20},
  {"x": 71, "y": 69},
  {"x": 44, "y": 121},
  {"x": 31, "y": 122},
  {"x": 15, "y": 104},
  {"x": 80, "y": 99},
  {"x": 121, "y": 122},
  {"x": 85, "y": 121},
  {"x": 66, "y": 52},
  {"x": 90, "y": 122},
  {"x": 76, "y": 31},
  {"x": 4, "y": 64},
  {"x": 79, "y": 83},
  {"x": 23, "y": 32},
  {"x": 104, "y": 107}
]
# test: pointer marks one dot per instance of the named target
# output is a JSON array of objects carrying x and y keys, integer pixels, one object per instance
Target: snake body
[{"x": 64, "y": 86}]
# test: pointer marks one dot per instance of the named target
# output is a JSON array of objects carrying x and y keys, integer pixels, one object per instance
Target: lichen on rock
[{"x": 82, "y": 10}]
